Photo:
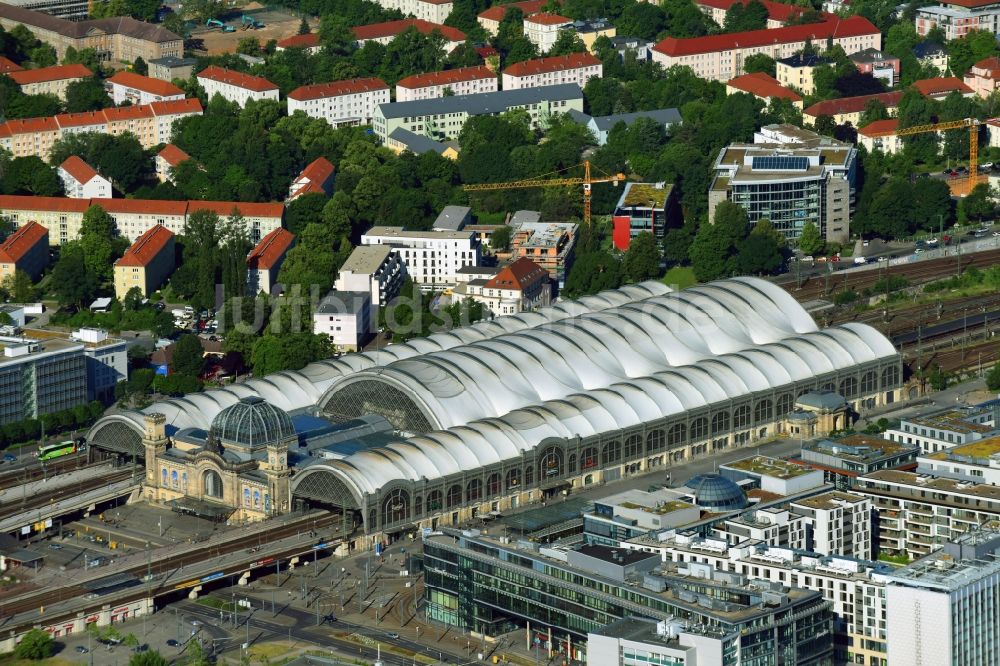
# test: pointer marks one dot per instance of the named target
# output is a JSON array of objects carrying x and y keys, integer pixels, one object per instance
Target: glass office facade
[
  {"x": 34, "y": 385},
  {"x": 789, "y": 204}
]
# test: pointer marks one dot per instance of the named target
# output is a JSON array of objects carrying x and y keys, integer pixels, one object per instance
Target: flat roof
[
  {"x": 613, "y": 555},
  {"x": 366, "y": 259},
  {"x": 767, "y": 466},
  {"x": 954, "y": 420},
  {"x": 343, "y": 302},
  {"x": 858, "y": 448},
  {"x": 400, "y": 232},
  {"x": 645, "y": 195},
  {"x": 830, "y": 500},
  {"x": 46, "y": 346},
  {"x": 983, "y": 449}
]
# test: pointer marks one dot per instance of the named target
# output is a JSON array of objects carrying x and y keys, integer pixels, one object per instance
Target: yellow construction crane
[
  {"x": 971, "y": 123},
  {"x": 545, "y": 181}
]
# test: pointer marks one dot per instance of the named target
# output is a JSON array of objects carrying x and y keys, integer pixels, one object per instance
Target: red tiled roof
[
  {"x": 146, "y": 247},
  {"x": 880, "y": 127},
  {"x": 486, "y": 52},
  {"x": 990, "y": 64},
  {"x": 832, "y": 107},
  {"x": 270, "y": 249},
  {"x": 306, "y": 41},
  {"x": 145, "y": 84},
  {"x": 225, "y": 208},
  {"x": 941, "y": 85},
  {"x": 117, "y": 114},
  {"x": 234, "y": 78},
  {"x": 335, "y": 88},
  {"x": 176, "y": 106},
  {"x": 518, "y": 275},
  {"x": 31, "y": 125},
  {"x": 7, "y": 66},
  {"x": 318, "y": 172},
  {"x": 497, "y": 12},
  {"x": 22, "y": 241},
  {"x": 763, "y": 85},
  {"x": 853, "y": 26},
  {"x": 81, "y": 119},
  {"x": 547, "y": 18},
  {"x": 777, "y": 11},
  {"x": 146, "y": 206},
  {"x": 54, "y": 73},
  {"x": 393, "y": 28},
  {"x": 553, "y": 64},
  {"x": 446, "y": 77},
  {"x": 47, "y": 204},
  {"x": 78, "y": 169},
  {"x": 173, "y": 155},
  {"x": 175, "y": 208}
]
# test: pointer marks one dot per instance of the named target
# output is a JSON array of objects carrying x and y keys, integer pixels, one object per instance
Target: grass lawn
[{"x": 681, "y": 276}]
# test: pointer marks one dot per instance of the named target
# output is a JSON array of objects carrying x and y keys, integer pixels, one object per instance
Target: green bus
[{"x": 50, "y": 451}]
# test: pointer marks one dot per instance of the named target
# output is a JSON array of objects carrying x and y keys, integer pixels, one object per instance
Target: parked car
[
  {"x": 9, "y": 457},
  {"x": 860, "y": 260},
  {"x": 172, "y": 643},
  {"x": 82, "y": 649},
  {"x": 932, "y": 241}
]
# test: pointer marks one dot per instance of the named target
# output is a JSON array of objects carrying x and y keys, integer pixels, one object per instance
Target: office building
[
  {"x": 264, "y": 261},
  {"x": 633, "y": 513},
  {"x": 946, "y": 429},
  {"x": 549, "y": 244},
  {"x": 644, "y": 207},
  {"x": 39, "y": 377},
  {"x": 136, "y": 89},
  {"x": 634, "y": 641},
  {"x": 316, "y": 178},
  {"x": 106, "y": 360},
  {"x": 383, "y": 33},
  {"x": 146, "y": 264},
  {"x": 772, "y": 475},
  {"x": 460, "y": 81},
  {"x": 517, "y": 287},
  {"x": 945, "y": 608},
  {"x": 26, "y": 250},
  {"x": 49, "y": 80},
  {"x": 236, "y": 86},
  {"x": 432, "y": 258},
  {"x": 844, "y": 460},
  {"x": 169, "y": 68},
  {"x": 347, "y": 318},
  {"x": 978, "y": 462},
  {"x": 81, "y": 181},
  {"x": 444, "y": 117},
  {"x": 340, "y": 103},
  {"x": 377, "y": 269},
  {"x": 809, "y": 179}
]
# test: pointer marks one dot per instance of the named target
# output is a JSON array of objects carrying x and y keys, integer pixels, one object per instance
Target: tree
[
  {"x": 148, "y": 658},
  {"x": 140, "y": 67},
  {"x": 993, "y": 378},
  {"x": 189, "y": 357},
  {"x": 567, "y": 41},
  {"x": 741, "y": 17},
  {"x": 642, "y": 260},
  {"x": 177, "y": 384},
  {"x": 30, "y": 175},
  {"x": 248, "y": 46},
  {"x": 593, "y": 272},
  {"x": 34, "y": 645},
  {"x": 760, "y": 62},
  {"x": 810, "y": 242},
  {"x": 825, "y": 125},
  {"x": 86, "y": 95},
  {"x": 974, "y": 46},
  {"x": 980, "y": 202},
  {"x": 303, "y": 26},
  {"x": 759, "y": 254},
  {"x": 100, "y": 242},
  {"x": 73, "y": 283},
  {"x": 130, "y": 641},
  {"x": 716, "y": 246},
  {"x": 500, "y": 241},
  {"x": 874, "y": 110}
]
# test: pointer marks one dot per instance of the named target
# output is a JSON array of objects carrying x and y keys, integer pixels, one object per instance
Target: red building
[{"x": 643, "y": 207}]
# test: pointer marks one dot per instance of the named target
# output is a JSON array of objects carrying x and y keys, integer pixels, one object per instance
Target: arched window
[
  {"x": 829, "y": 387},
  {"x": 588, "y": 459},
  {"x": 493, "y": 485},
  {"x": 611, "y": 453},
  {"x": 763, "y": 411},
  {"x": 474, "y": 491},
  {"x": 256, "y": 499},
  {"x": 849, "y": 387},
  {"x": 890, "y": 377},
  {"x": 184, "y": 481},
  {"x": 741, "y": 417},
  {"x": 785, "y": 403},
  {"x": 164, "y": 484},
  {"x": 676, "y": 435},
  {"x": 699, "y": 429},
  {"x": 529, "y": 475},
  {"x": 418, "y": 506},
  {"x": 454, "y": 496},
  {"x": 720, "y": 423},
  {"x": 550, "y": 464},
  {"x": 212, "y": 484},
  {"x": 654, "y": 440},
  {"x": 869, "y": 383},
  {"x": 434, "y": 501},
  {"x": 633, "y": 446},
  {"x": 173, "y": 478},
  {"x": 513, "y": 479},
  {"x": 372, "y": 515},
  {"x": 572, "y": 463}
]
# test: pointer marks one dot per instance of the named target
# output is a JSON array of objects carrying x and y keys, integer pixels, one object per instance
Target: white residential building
[
  {"x": 521, "y": 286},
  {"x": 461, "y": 81},
  {"x": 542, "y": 29},
  {"x": 264, "y": 261},
  {"x": 377, "y": 269},
  {"x": 490, "y": 18},
  {"x": 432, "y": 258},
  {"x": 838, "y": 523},
  {"x": 575, "y": 68},
  {"x": 957, "y": 18},
  {"x": 383, "y": 33},
  {"x": 316, "y": 178},
  {"x": 434, "y": 11},
  {"x": 340, "y": 103},
  {"x": 348, "y": 318},
  {"x": 235, "y": 86},
  {"x": 81, "y": 181},
  {"x": 137, "y": 89},
  {"x": 978, "y": 462},
  {"x": 945, "y": 430}
]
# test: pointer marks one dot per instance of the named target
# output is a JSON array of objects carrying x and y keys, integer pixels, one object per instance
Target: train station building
[{"x": 485, "y": 418}]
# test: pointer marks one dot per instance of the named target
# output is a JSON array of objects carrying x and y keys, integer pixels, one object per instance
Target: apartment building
[
  {"x": 919, "y": 513},
  {"x": 880, "y": 65},
  {"x": 308, "y": 42},
  {"x": 849, "y": 109},
  {"x": 316, "y": 178},
  {"x": 62, "y": 216},
  {"x": 575, "y": 68},
  {"x": 551, "y": 245},
  {"x": 881, "y": 135},
  {"x": 944, "y": 430},
  {"x": 150, "y": 123},
  {"x": 844, "y": 460},
  {"x": 134, "y": 88},
  {"x": 378, "y": 269},
  {"x": 764, "y": 87},
  {"x": 518, "y": 287},
  {"x": 117, "y": 39},
  {"x": 444, "y": 117},
  {"x": 166, "y": 160},
  {"x": 25, "y": 250},
  {"x": 146, "y": 264},
  {"x": 235, "y": 86},
  {"x": 432, "y": 258},
  {"x": 940, "y": 87},
  {"x": 340, "y": 103},
  {"x": 838, "y": 523},
  {"x": 978, "y": 462},
  {"x": 855, "y": 588},
  {"x": 347, "y": 318},
  {"x": 542, "y": 29},
  {"x": 265, "y": 260},
  {"x": 956, "y": 18},
  {"x": 7, "y": 65},
  {"x": 490, "y": 18},
  {"x": 789, "y": 176},
  {"x": 721, "y": 57},
  {"x": 590, "y": 31},
  {"x": 169, "y": 68},
  {"x": 383, "y": 33},
  {"x": 39, "y": 377},
  {"x": 771, "y": 525},
  {"x": 779, "y": 14},
  {"x": 984, "y": 77},
  {"x": 81, "y": 181},
  {"x": 434, "y": 11},
  {"x": 49, "y": 80},
  {"x": 644, "y": 207},
  {"x": 945, "y": 608},
  {"x": 797, "y": 70},
  {"x": 461, "y": 81}
]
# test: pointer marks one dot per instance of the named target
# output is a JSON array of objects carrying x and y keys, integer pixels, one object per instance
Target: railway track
[
  {"x": 35, "y": 470},
  {"x": 15, "y": 504}
]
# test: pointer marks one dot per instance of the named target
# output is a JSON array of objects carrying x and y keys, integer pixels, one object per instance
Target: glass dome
[
  {"x": 251, "y": 423},
  {"x": 717, "y": 493}
]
